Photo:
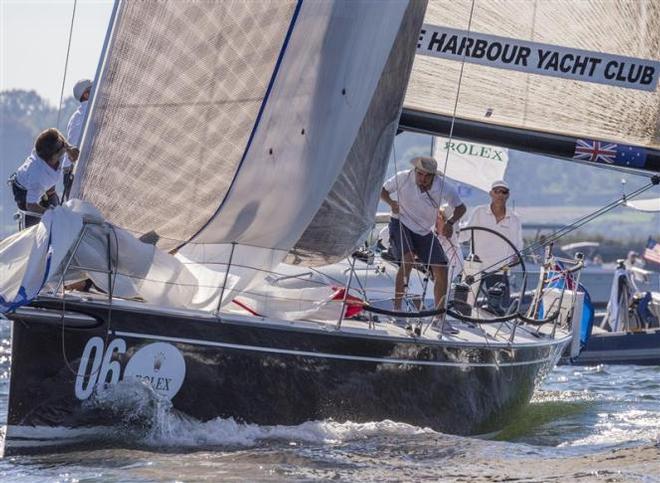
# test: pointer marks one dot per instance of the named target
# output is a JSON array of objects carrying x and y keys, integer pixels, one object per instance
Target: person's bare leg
[
  {"x": 439, "y": 284},
  {"x": 402, "y": 277}
]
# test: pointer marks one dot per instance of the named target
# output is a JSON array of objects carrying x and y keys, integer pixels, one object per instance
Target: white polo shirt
[
  {"x": 491, "y": 249},
  {"x": 74, "y": 130},
  {"x": 37, "y": 177},
  {"x": 418, "y": 210}
]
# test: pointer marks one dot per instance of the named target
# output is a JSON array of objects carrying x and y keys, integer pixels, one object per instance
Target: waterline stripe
[{"x": 324, "y": 355}]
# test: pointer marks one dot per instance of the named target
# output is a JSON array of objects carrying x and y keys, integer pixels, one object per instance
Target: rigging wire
[
  {"x": 66, "y": 63},
  {"x": 112, "y": 280},
  {"x": 565, "y": 230},
  {"x": 444, "y": 170}
]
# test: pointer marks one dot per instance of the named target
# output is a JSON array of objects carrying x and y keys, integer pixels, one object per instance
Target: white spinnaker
[{"x": 329, "y": 72}]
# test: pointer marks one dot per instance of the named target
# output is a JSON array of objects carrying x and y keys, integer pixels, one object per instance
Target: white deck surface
[{"x": 498, "y": 333}]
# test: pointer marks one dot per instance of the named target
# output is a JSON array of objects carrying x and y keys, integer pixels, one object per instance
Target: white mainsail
[{"x": 548, "y": 104}]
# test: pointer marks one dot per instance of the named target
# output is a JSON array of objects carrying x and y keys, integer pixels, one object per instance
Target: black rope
[{"x": 401, "y": 314}]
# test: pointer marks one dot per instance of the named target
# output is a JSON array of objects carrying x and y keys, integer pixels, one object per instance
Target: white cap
[
  {"x": 500, "y": 183},
  {"x": 80, "y": 88}
]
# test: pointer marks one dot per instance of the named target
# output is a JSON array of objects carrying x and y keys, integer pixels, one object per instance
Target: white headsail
[
  {"x": 219, "y": 128},
  {"x": 348, "y": 211}
]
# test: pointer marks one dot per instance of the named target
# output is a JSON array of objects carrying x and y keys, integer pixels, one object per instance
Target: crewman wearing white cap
[
  {"x": 418, "y": 194},
  {"x": 494, "y": 252},
  {"x": 81, "y": 92}
]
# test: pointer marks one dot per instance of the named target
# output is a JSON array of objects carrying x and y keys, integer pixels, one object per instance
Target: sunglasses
[{"x": 502, "y": 191}]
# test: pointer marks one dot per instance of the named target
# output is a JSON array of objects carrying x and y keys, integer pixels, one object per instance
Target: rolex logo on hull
[{"x": 160, "y": 365}]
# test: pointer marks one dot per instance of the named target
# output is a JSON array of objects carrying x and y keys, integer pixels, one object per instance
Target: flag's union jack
[
  {"x": 558, "y": 276},
  {"x": 598, "y": 151}
]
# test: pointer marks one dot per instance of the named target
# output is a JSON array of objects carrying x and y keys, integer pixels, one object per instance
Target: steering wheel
[{"x": 470, "y": 280}]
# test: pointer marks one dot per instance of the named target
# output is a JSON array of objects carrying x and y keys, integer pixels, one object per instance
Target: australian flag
[{"x": 610, "y": 153}]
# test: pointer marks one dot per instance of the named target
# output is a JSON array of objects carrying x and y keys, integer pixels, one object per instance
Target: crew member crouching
[{"x": 34, "y": 182}]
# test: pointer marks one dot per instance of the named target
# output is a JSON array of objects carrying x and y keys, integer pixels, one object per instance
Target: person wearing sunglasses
[
  {"x": 415, "y": 196},
  {"x": 33, "y": 183},
  {"x": 494, "y": 252}
]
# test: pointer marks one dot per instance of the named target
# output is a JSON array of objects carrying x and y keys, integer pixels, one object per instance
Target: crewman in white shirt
[
  {"x": 34, "y": 182},
  {"x": 418, "y": 194},
  {"x": 81, "y": 92},
  {"x": 494, "y": 252}
]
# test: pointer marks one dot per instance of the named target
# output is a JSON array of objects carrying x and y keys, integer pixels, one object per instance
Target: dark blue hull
[
  {"x": 640, "y": 348},
  {"x": 256, "y": 372}
]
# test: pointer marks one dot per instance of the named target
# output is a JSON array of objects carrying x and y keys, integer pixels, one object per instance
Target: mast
[{"x": 527, "y": 140}]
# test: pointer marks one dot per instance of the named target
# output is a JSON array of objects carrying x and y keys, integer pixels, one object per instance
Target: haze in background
[{"x": 34, "y": 35}]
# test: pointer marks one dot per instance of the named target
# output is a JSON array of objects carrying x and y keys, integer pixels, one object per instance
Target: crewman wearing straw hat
[{"x": 415, "y": 196}]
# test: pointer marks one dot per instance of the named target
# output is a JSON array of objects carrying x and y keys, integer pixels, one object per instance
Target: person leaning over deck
[
  {"x": 419, "y": 194},
  {"x": 34, "y": 182},
  {"x": 81, "y": 92},
  {"x": 494, "y": 252}
]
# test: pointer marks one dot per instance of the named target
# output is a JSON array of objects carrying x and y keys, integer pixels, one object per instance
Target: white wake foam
[{"x": 142, "y": 412}]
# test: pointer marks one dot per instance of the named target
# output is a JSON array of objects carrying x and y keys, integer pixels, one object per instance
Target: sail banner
[
  {"x": 538, "y": 58},
  {"x": 523, "y": 99},
  {"x": 470, "y": 163}
]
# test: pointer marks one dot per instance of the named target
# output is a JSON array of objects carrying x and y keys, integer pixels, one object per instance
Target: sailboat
[
  {"x": 629, "y": 332},
  {"x": 223, "y": 139}
]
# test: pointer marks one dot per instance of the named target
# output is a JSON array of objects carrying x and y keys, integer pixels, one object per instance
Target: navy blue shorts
[{"x": 420, "y": 245}]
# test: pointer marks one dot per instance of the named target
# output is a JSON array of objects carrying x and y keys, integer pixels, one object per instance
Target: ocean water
[{"x": 588, "y": 424}]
